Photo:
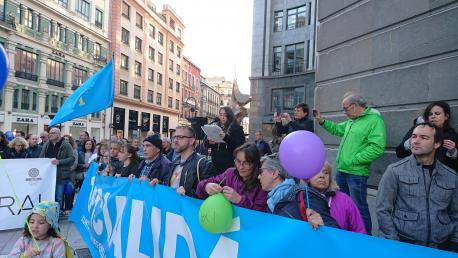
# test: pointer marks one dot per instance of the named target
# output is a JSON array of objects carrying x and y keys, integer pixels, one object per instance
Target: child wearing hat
[{"x": 42, "y": 237}]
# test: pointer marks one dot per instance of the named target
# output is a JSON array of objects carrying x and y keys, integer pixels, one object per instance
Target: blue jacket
[
  {"x": 263, "y": 147},
  {"x": 158, "y": 169}
]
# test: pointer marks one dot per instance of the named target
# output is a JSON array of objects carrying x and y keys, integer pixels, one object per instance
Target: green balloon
[{"x": 215, "y": 214}]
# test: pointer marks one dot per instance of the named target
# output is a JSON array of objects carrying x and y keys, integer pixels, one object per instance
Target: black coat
[
  {"x": 296, "y": 125},
  {"x": 188, "y": 178},
  {"x": 223, "y": 153}
]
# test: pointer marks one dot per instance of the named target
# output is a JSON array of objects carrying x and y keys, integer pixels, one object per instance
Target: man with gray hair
[
  {"x": 61, "y": 153},
  {"x": 363, "y": 141}
]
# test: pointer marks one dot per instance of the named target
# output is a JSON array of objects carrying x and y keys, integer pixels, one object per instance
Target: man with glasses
[
  {"x": 191, "y": 167},
  {"x": 61, "y": 153},
  {"x": 363, "y": 141}
]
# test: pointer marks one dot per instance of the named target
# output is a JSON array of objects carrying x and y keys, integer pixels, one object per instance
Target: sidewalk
[{"x": 9, "y": 237}]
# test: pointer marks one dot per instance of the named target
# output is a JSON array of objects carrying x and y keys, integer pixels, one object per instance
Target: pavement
[{"x": 9, "y": 237}]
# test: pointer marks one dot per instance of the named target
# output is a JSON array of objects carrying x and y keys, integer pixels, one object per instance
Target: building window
[
  {"x": 55, "y": 73},
  {"x": 178, "y": 51},
  {"x": 137, "y": 91},
  {"x": 278, "y": 21},
  {"x": 139, "y": 21},
  {"x": 63, "y": 3},
  {"x": 159, "y": 99},
  {"x": 159, "y": 79},
  {"x": 150, "y": 74},
  {"x": 34, "y": 101},
  {"x": 160, "y": 58},
  {"x": 138, "y": 68},
  {"x": 295, "y": 58},
  {"x": 54, "y": 103},
  {"x": 123, "y": 87},
  {"x": 177, "y": 87},
  {"x": 296, "y": 17},
  {"x": 286, "y": 98},
  {"x": 79, "y": 76},
  {"x": 124, "y": 62},
  {"x": 170, "y": 102},
  {"x": 28, "y": 18},
  {"x": 25, "y": 100},
  {"x": 160, "y": 38},
  {"x": 171, "y": 65},
  {"x": 172, "y": 47},
  {"x": 46, "y": 104},
  {"x": 177, "y": 104},
  {"x": 152, "y": 31},
  {"x": 150, "y": 96},
  {"x": 276, "y": 64},
  {"x": 25, "y": 64},
  {"x": 178, "y": 69},
  {"x": 151, "y": 54},
  {"x": 97, "y": 51},
  {"x": 125, "y": 10},
  {"x": 138, "y": 44},
  {"x": 125, "y": 36},
  {"x": 98, "y": 18},
  {"x": 170, "y": 83},
  {"x": 16, "y": 98},
  {"x": 172, "y": 24},
  {"x": 82, "y": 8}
]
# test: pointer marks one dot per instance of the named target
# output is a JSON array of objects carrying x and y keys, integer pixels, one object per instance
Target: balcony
[
  {"x": 7, "y": 20},
  {"x": 100, "y": 59},
  {"x": 27, "y": 76},
  {"x": 55, "y": 83}
]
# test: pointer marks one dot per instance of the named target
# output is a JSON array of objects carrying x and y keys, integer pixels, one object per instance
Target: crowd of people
[{"x": 417, "y": 200}]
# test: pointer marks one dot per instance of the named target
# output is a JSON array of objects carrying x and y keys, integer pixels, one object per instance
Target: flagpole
[{"x": 110, "y": 125}]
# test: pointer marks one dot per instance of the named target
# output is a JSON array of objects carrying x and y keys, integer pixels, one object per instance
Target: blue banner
[{"x": 119, "y": 218}]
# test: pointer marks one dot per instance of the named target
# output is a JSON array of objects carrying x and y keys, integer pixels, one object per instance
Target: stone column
[
  {"x": 21, "y": 17},
  {"x": 41, "y": 108},
  {"x": 11, "y": 51},
  {"x": 43, "y": 61},
  {"x": 34, "y": 21},
  {"x": 68, "y": 78}
]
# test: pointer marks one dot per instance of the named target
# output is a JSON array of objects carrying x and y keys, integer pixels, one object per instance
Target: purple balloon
[{"x": 302, "y": 154}]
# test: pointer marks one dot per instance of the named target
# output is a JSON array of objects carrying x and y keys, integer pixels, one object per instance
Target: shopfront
[
  {"x": 119, "y": 115},
  {"x": 26, "y": 124}
]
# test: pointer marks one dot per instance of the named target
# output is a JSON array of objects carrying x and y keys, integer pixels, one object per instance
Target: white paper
[{"x": 213, "y": 132}]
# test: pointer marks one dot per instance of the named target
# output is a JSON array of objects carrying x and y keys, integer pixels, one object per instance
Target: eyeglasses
[
  {"x": 20, "y": 145},
  {"x": 41, "y": 137},
  {"x": 347, "y": 107},
  {"x": 242, "y": 163},
  {"x": 179, "y": 137}
]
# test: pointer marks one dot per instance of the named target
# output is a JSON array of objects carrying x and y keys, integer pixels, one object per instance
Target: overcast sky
[{"x": 217, "y": 36}]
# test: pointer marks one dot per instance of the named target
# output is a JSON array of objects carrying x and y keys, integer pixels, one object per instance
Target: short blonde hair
[
  {"x": 332, "y": 177},
  {"x": 18, "y": 141}
]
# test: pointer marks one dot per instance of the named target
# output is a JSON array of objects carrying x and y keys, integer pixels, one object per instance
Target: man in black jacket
[
  {"x": 186, "y": 171},
  {"x": 301, "y": 121}
]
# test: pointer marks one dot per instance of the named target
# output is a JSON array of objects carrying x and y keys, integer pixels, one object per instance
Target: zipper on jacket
[{"x": 428, "y": 236}]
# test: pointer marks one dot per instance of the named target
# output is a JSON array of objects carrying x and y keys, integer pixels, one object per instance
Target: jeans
[
  {"x": 60, "y": 194},
  {"x": 356, "y": 187}
]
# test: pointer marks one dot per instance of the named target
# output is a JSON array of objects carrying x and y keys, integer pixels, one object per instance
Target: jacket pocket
[
  {"x": 406, "y": 215},
  {"x": 409, "y": 185},
  {"x": 443, "y": 218},
  {"x": 445, "y": 190}
]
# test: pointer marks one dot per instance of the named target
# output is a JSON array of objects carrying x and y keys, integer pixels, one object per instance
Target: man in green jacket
[
  {"x": 363, "y": 141},
  {"x": 61, "y": 153}
]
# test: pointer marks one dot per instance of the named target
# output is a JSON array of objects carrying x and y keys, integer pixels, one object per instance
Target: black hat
[{"x": 154, "y": 140}]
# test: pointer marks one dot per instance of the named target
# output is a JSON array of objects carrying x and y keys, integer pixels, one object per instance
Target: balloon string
[
  {"x": 307, "y": 196},
  {"x": 21, "y": 208}
]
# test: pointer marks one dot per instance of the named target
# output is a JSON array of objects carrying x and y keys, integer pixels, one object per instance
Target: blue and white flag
[
  {"x": 119, "y": 218},
  {"x": 96, "y": 94}
]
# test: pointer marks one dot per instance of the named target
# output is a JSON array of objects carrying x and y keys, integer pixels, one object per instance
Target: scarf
[{"x": 278, "y": 193}]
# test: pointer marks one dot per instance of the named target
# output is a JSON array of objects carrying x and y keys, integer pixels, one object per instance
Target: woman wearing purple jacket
[
  {"x": 240, "y": 185},
  {"x": 343, "y": 209}
]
